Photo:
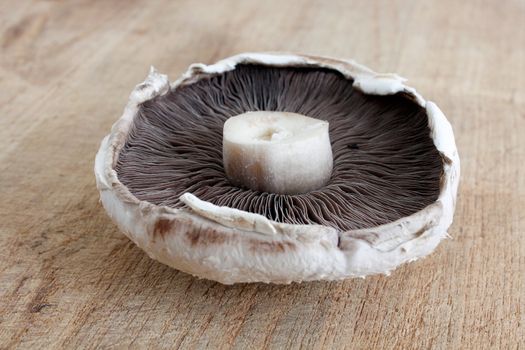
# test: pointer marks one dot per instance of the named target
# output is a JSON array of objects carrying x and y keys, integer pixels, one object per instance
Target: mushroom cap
[{"x": 230, "y": 245}]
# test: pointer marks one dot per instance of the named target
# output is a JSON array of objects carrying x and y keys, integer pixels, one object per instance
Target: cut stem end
[{"x": 277, "y": 152}]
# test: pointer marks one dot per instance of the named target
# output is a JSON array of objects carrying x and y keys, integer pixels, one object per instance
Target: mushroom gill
[{"x": 385, "y": 165}]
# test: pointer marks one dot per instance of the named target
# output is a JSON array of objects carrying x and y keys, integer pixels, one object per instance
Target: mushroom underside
[{"x": 385, "y": 163}]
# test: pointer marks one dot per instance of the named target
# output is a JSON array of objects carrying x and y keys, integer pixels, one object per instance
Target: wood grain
[{"x": 69, "y": 279}]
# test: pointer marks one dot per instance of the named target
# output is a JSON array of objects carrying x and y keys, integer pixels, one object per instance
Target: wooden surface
[{"x": 69, "y": 279}]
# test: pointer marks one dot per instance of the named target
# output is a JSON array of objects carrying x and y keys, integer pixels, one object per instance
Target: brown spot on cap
[
  {"x": 423, "y": 230},
  {"x": 204, "y": 237},
  {"x": 442, "y": 180},
  {"x": 162, "y": 227},
  {"x": 446, "y": 159},
  {"x": 271, "y": 247},
  {"x": 142, "y": 86}
]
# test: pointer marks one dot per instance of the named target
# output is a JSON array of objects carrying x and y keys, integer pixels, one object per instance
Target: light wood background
[{"x": 69, "y": 279}]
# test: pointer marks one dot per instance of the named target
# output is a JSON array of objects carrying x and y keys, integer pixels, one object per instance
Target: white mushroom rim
[{"x": 230, "y": 246}]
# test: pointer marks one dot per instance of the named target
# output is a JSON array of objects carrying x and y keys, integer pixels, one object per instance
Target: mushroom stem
[{"x": 277, "y": 152}]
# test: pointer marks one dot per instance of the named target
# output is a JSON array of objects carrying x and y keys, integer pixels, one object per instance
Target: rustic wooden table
[{"x": 69, "y": 279}]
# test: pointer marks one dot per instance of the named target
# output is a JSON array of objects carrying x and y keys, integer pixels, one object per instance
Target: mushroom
[{"x": 278, "y": 168}]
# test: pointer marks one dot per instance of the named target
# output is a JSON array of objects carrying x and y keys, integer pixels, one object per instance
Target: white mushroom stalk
[{"x": 277, "y": 152}]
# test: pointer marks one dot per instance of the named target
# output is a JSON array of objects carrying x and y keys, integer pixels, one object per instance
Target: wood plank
[{"x": 68, "y": 278}]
